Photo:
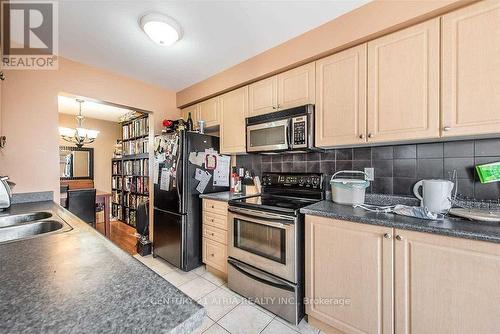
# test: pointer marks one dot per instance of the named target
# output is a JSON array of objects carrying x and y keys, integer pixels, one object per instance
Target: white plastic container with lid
[{"x": 349, "y": 191}]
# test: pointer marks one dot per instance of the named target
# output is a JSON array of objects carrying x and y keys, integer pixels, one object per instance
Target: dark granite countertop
[
  {"x": 454, "y": 227},
  {"x": 80, "y": 282},
  {"x": 225, "y": 196}
]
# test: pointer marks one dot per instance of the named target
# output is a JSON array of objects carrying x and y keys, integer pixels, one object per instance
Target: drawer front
[
  {"x": 215, "y": 254},
  {"x": 217, "y": 207},
  {"x": 215, "y": 220},
  {"x": 215, "y": 234}
]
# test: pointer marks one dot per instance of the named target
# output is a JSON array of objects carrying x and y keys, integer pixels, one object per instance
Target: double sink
[{"x": 30, "y": 225}]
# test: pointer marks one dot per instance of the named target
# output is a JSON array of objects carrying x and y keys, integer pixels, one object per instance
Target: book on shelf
[
  {"x": 136, "y": 146},
  {"x": 136, "y": 128}
]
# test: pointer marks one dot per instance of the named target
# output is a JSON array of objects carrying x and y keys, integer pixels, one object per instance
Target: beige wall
[
  {"x": 103, "y": 146},
  {"x": 30, "y": 116},
  {"x": 364, "y": 23}
]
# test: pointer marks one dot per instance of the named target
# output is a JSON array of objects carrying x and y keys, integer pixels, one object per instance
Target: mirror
[{"x": 76, "y": 163}]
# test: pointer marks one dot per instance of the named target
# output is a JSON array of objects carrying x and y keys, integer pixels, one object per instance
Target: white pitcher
[{"x": 436, "y": 194}]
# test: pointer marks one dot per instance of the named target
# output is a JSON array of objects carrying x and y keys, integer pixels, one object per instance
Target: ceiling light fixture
[
  {"x": 162, "y": 29},
  {"x": 78, "y": 136}
]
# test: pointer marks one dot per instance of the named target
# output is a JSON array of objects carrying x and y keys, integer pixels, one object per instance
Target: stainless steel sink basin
[
  {"x": 6, "y": 221},
  {"x": 29, "y": 230},
  {"x": 30, "y": 225}
]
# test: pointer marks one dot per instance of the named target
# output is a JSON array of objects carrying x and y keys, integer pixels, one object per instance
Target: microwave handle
[
  {"x": 289, "y": 134},
  {"x": 255, "y": 276}
]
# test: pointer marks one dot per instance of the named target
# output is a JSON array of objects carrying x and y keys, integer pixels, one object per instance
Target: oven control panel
[
  {"x": 299, "y": 132},
  {"x": 292, "y": 180}
]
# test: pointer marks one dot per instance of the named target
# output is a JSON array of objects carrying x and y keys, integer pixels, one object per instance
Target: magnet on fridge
[{"x": 210, "y": 161}]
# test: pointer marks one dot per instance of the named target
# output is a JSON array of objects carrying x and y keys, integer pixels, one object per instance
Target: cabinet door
[
  {"x": 446, "y": 285},
  {"x": 296, "y": 87},
  {"x": 263, "y": 96},
  {"x": 215, "y": 254},
  {"x": 341, "y": 98},
  {"x": 403, "y": 84},
  {"x": 234, "y": 110},
  {"x": 194, "y": 110},
  {"x": 352, "y": 261},
  {"x": 209, "y": 112},
  {"x": 471, "y": 70},
  {"x": 1, "y": 106}
]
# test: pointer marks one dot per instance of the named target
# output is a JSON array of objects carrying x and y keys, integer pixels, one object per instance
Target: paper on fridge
[
  {"x": 198, "y": 174},
  {"x": 161, "y": 157},
  {"x": 204, "y": 178},
  {"x": 221, "y": 171},
  {"x": 156, "y": 171},
  {"x": 165, "y": 179},
  {"x": 197, "y": 158}
]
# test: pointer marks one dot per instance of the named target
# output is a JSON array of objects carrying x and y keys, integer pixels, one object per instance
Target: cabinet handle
[
  {"x": 212, "y": 207},
  {"x": 446, "y": 128},
  {"x": 212, "y": 234},
  {"x": 361, "y": 136},
  {"x": 212, "y": 220},
  {"x": 370, "y": 135},
  {"x": 387, "y": 236},
  {"x": 212, "y": 255},
  {"x": 399, "y": 238},
  {"x": 274, "y": 108}
]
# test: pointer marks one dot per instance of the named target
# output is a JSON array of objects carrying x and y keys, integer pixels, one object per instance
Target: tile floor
[{"x": 227, "y": 312}]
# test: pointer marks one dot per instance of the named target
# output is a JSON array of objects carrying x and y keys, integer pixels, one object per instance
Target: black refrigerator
[{"x": 177, "y": 207}]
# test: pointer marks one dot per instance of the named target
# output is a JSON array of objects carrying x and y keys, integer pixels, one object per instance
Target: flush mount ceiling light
[{"x": 162, "y": 29}]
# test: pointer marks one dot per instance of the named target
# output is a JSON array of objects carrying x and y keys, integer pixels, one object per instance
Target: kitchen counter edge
[{"x": 450, "y": 226}]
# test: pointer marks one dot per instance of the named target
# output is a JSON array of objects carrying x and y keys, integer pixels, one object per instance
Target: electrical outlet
[{"x": 370, "y": 172}]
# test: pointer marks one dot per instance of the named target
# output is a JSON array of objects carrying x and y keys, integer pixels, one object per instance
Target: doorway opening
[{"x": 104, "y": 157}]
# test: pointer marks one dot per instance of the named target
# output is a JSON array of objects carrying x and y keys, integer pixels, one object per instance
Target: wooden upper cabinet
[
  {"x": 471, "y": 70},
  {"x": 263, "y": 96},
  {"x": 209, "y": 112},
  {"x": 445, "y": 285},
  {"x": 289, "y": 89},
  {"x": 234, "y": 110},
  {"x": 341, "y": 98},
  {"x": 403, "y": 84},
  {"x": 296, "y": 87},
  {"x": 194, "y": 110},
  {"x": 353, "y": 261}
]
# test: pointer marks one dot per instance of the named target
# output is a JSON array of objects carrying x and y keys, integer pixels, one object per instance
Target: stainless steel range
[{"x": 266, "y": 242}]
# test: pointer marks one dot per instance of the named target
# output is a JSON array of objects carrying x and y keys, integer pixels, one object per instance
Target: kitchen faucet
[{"x": 5, "y": 193}]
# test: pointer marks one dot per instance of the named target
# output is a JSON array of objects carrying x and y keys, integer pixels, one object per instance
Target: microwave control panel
[{"x": 299, "y": 132}]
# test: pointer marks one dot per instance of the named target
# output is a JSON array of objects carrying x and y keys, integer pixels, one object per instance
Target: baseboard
[{"x": 323, "y": 326}]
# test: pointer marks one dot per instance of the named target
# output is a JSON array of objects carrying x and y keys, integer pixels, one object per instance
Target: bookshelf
[{"x": 130, "y": 172}]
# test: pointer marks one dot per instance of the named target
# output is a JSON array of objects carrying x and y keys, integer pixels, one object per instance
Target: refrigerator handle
[{"x": 177, "y": 174}]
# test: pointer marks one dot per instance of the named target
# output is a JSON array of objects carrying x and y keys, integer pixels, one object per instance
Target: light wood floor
[{"x": 121, "y": 235}]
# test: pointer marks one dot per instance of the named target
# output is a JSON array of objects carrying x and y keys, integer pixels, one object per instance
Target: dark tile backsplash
[{"x": 397, "y": 168}]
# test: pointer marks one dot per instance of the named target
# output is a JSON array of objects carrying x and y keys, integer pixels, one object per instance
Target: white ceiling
[
  {"x": 216, "y": 34},
  {"x": 69, "y": 105}
]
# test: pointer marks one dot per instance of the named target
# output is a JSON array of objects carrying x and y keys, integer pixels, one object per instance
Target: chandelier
[{"x": 79, "y": 136}]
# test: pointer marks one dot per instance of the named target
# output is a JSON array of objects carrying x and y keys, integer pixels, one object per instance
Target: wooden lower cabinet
[
  {"x": 352, "y": 263},
  {"x": 214, "y": 240},
  {"x": 399, "y": 281},
  {"x": 446, "y": 285}
]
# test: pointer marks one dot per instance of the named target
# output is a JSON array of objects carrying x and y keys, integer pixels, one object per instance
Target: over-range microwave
[{"x": 287, "y": 130}]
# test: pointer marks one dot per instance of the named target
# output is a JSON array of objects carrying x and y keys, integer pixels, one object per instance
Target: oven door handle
[
  {"x": 277, "y": 283},
  {"x": 269, "y": 217}
]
